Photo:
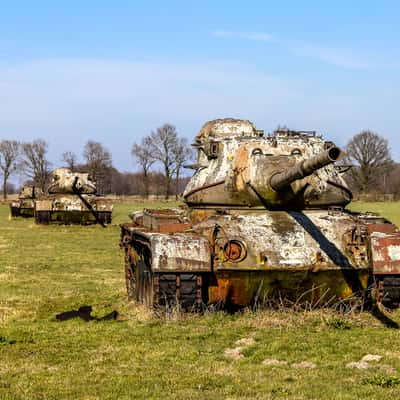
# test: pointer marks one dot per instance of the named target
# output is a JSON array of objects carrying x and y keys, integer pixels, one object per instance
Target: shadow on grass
[{"x": 382, "y": 317}]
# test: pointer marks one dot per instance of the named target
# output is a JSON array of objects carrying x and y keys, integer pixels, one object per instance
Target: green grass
[
  {"x": 45, "y": 270},
  {"x": 390, "y": 210}
]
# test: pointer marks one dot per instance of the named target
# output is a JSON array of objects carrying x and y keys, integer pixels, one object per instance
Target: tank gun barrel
[{"x": 283, "y": 179}]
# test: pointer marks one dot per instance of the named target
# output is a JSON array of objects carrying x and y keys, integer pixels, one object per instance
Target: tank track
[
  {"x": 388, "y": 290},
  {"x": 178, "y": 289},
  {"x": 14, "y": 211},
  {"x": 44, "y": 217},
  {"x": 163, "y": 290},
  {"x": 105, "y": 217}
]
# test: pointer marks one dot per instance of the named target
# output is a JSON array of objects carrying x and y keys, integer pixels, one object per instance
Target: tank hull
[
  {"x": 25, "y": 205},
  {"x": 70, "y": 209},
  {"x": 22, "y": 208},
  {"x": 318, "y": 257}
]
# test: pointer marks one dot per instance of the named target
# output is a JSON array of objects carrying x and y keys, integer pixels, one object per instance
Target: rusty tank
[
  {"x": 264, "y": 219},
  {"x": 24, "y": 206},
  {"x": 71, "y": 199}
]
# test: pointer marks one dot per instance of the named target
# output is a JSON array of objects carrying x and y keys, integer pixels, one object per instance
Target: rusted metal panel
[
  {"x": 247, "y": 287},
  {"x": 386, "y": 228},
  {"x": 164, "y": 221},
  {"x": 385, "y": 251}
]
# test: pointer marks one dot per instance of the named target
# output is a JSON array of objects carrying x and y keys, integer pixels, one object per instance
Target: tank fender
[
  {"x": 179, "y": 253},
  {"x": 385, "y": 253},
  {"x": 104, "y": 205},
  {"x": 43, "y": 205}
]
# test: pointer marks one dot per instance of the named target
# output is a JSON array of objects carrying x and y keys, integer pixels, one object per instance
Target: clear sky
[{"x": 114, "y": 70}]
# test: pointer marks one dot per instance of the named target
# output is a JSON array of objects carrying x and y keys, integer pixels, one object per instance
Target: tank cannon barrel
[{"x": 281, "y": 180}]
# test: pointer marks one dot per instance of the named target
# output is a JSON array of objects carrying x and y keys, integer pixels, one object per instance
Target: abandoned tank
[
  {"x": 71, "y": 199},
  {"x": 25, "y": 205},
  {"x": 264, "y": 219}
]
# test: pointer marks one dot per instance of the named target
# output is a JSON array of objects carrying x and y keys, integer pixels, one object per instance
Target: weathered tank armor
[
  {"x": 72, "y": 199},
  {"x": 265, "y": 219}
]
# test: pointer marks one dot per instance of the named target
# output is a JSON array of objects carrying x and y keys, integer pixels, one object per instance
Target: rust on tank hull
[{"x": 244, "y": 288}]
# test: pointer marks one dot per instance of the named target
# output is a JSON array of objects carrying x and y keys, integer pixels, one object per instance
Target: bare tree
[
  {"x": 167, "y": 148},
  {"x": 370, "y": 154},
  {"x": 99, "y": 163},
  {"x": 143, "y": 156},
  {"x": 70, "y": 159},
  {"x": 34, "y": 162},
  {"x": 9, "y": 153},
  {"x": 181, "y": 153}
]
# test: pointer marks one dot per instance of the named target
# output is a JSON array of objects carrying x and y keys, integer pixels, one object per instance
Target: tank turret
[
  {"x": 238, "y": 166},
  {"x": 65, "y": 181}
]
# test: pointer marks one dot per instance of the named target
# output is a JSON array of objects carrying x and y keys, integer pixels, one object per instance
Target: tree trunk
[
  {"x": 146, "y": 184},
  {"x": 177, "y": 184},
  {"x": 167, "y": 187},
  {"x": 167, "y": 181},
  {"x": 5, "y": 186}
]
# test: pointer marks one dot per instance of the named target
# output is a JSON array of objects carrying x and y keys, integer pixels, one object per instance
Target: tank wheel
[
  {"x": 387, "y": 290},
  {"x": 182, "y": 290},
  {"x": 42, "y": 217}
]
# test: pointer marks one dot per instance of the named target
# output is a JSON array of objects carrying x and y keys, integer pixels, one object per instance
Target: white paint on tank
[{"x": 394, "y": 252}]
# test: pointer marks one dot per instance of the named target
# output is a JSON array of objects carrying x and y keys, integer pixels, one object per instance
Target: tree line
[
  {"x": 161, "y": 156},
  {"x": 162, "y": 149}
]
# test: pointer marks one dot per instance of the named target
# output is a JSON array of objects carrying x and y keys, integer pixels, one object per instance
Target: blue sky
[{"x": 112, "y": 71}]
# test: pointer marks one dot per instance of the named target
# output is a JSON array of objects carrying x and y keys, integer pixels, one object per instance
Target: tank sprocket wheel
[{"x": 387, "y": 290}]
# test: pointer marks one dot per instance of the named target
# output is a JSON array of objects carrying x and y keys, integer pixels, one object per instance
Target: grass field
[{"x": 47, "y": 270}]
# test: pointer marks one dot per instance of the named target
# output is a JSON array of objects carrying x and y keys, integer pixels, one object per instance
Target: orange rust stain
[
  {"x": 219, "y": 293},
  {"x": 241, "y": 167},
  {"x": 235, "y": 290}
]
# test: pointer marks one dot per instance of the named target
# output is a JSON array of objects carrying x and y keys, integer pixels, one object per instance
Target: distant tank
[
  {"x": 265, "y": 219},
  {"x": 25, "y": 205},
  {"x": 71, "y": 199}
]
